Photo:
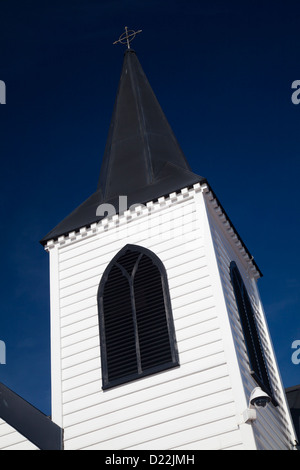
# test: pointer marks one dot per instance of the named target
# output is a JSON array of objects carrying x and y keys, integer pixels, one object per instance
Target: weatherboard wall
[
  {"x": 195, "y": 406},
  {"x": 192, "y": 405},
  {"x": 10, "y": 439},
  {"x": 272, "y": 428}
]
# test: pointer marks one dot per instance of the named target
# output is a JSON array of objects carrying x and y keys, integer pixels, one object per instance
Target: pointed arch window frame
[{"x": 108, "y": 383}]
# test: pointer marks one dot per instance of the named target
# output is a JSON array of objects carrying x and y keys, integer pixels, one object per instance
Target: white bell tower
[{"x": 159, "y": 336}]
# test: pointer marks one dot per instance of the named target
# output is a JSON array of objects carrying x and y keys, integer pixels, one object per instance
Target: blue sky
[{"x": 222, "y": 71}]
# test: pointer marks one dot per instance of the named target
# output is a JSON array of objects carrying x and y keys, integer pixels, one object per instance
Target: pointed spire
[
  {"x": 142, "y": 158},
  {"x": 140, "y": 141}
]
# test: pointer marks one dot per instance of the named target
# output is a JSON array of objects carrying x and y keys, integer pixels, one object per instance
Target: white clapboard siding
[
  {"x": 166, "y": 408},
  {"x": 137, "y": 229},
  {"x": 77, "y": 348},
  {"x": 217, "y": 435},
  {"x": 156, "y": 409},
  {"x": 10, "y": 439},
  {"x": 225, "y": 441},
  {"x": 172, "y": 431},
  {"x": 271, "y": 427},
  {"x": 79, "y": 412},
  {"x": 193, "y": 406},
  {"x": 205, "y": 369},
  {"x": 174, "y": 215}
]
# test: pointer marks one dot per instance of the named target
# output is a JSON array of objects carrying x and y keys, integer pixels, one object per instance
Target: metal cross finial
[{"x": 127, "y": 37}]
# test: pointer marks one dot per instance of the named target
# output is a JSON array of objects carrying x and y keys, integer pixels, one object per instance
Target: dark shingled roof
[
  {"x": 142, "y": 158},
  {"x": 29, "y": 421}
]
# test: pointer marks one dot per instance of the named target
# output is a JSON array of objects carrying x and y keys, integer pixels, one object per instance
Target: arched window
[
  {"x": 251, "y": 335},
  {"x": 137, "y": 333}
]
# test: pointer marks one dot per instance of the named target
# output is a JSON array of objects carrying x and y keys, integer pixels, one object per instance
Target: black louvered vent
[
  {"x": 136, "y": 325},
  {"x": 128, "y": 260},
  {"x": 250, "y": 330},
  {"x": 119, "y": 326},
  {"x": 151, "y": 315}
]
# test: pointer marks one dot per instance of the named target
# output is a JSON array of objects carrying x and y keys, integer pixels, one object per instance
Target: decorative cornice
[
  {"x": 108, "y": 223},
  {"x": 119, "y": 219},
  {"x": 230, "y": 230}
]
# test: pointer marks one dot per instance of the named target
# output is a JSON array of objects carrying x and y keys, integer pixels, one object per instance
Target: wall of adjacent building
[{"x": 10, "y": 439}]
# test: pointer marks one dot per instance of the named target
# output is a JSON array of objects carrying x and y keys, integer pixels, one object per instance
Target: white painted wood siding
[
  {"x": 10, "y": 439},
  {"x": 272, "y": 429},
  {"x": 194, "y": 406},
  {"x": 187, "y": 407}
]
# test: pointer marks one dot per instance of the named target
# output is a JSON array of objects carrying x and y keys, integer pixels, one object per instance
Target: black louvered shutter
[
  {"x": 136, "y": 325},
  {"x": 250, "y": 330},
  {"x": 153, "y": 332},
  {"x": 119, "y": 326}
]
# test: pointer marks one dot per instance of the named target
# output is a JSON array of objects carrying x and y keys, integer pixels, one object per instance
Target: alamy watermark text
[
  {"x": 296, "y": 94},
  {"x": 296, "y": 353}
]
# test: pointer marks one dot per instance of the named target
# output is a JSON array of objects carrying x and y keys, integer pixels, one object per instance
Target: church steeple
[
  {"x": 142, "y": 158},
  {"x": 141, "y": 149},
  {"x": 157, "y": 312}
]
